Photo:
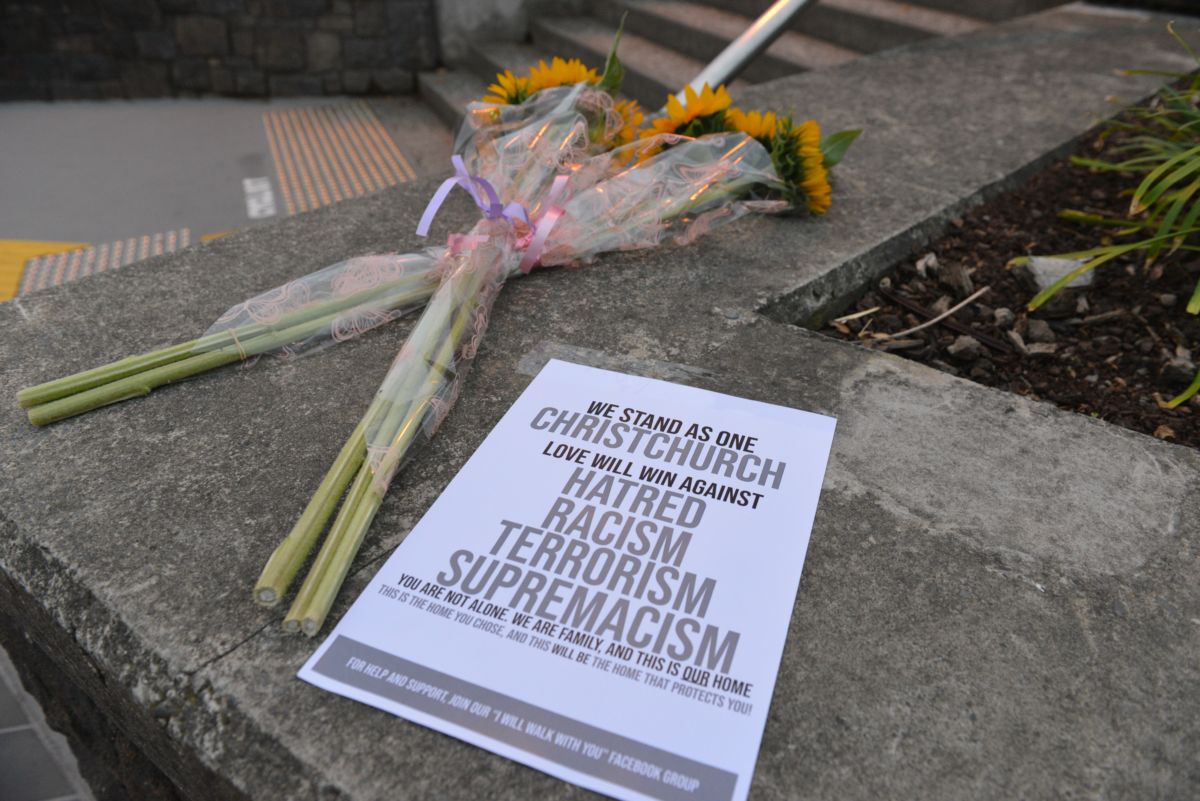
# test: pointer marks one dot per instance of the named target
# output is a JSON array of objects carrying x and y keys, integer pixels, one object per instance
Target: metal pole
[{"x": 757, "y": 38}]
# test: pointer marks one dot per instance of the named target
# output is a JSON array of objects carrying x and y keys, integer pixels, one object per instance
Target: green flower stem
[
  {"x": 400, "y": 290},
  {"x": 285, "y": 562},
  {"x": 426, "y": 372},
  {"x": 131, "y": 387},
  {"x": 329, "y": 569},
  {"x": 142, "y": 383},
  {"x": 98, "y": 376}
]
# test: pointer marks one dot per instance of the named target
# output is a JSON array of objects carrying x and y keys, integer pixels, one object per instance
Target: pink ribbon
[{"x": 488, "y": 201}]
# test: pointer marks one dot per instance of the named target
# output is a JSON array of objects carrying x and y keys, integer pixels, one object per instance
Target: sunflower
[
  {"x": 796, "y": 153},
  {"x": 762, "y": 127},
  {"x": 816, "y": 180},
  {"x": 560, "y": 73},
  {"x": 631, "y": 118},
  {"x": 704, "y": 113},
  {"x": 508, "y": 90}
]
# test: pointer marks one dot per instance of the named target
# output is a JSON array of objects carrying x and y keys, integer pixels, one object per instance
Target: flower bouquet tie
[{"x": 561, "y": 173}]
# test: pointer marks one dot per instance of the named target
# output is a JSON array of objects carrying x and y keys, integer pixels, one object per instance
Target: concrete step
[
  {"x": 866, "y": 26},
  {"x": 990, "y": 10},
  {"x": 448, "y": 91},
  {"x": 702, "y": 32},
  {"x": 652, "y": 71},
  {"x": 486, "y": 59}
]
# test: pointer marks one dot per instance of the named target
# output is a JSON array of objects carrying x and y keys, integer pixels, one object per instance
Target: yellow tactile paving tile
[
  {"x": 14, "y": 253},
  {"x": 325, "y": 154},
  {"x": 52, "y": 268}
]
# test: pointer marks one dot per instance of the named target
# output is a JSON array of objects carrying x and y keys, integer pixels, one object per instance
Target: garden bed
[{"x": 1114, "y": 350}]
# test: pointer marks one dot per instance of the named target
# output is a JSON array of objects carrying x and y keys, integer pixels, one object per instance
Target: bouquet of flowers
[{"x": 562, "y": 170}]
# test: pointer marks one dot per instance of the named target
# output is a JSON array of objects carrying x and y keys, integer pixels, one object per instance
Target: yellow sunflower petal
[
  {"x": 675, "y": 109},
  {"x": 721, "y": 99}
]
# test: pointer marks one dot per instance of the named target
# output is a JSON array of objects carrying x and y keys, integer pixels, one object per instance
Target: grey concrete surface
[
  {"x": 449, "y": 91},
  {"x": 418, "y": 132},
  {"x": 98, "y": 171},
  {"x": 1001, "y": 600}
]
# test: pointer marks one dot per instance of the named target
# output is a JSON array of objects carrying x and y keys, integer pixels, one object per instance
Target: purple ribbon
[{"x": 488, "y": 201}]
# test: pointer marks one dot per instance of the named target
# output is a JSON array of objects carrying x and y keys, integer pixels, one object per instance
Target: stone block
[
  {"x": 250, "y": 83},
  {"x": 134, "y": 14},
  {"x": 25, "y": 33},
  {"x": 36, "y": 68},
  {"x": 145, "y": 79},
  {"x": 412, "y": 35},
  {"x": 155, "y": 44},
  {"x": 394, "y": 81},
  {"x": 75, "y": 90},
  {"x": 355, "y": 82},
  {"x": 332, "y": 83},
  {"x": 76, "y": 43},
  {"x": 202, "y": 36},
  {"x": 191, "y": 72},
  {"x": 294, "y": 85},
  {"x": 243, "y": 42},
  {"x": 342, "y": 23},
  {"x": 89, "y": 67},
  {"x": 120, "y": 44},
  {"x": 324, "y": 51},
  {"x": 305, "y": 9},
  {"x": 12, "y": 68},
  {"x": 361, "y": 52},
  {"x": 219, "y": 7},
  {"x": 222, "y": 80},
  {"x": 23, "y": 90},
  {"x": 87, "y": 21},
  {"x": 280, "y": 50},
  {"x": 370, "y": 18}
]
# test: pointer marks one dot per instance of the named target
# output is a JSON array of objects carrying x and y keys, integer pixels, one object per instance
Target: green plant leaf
[
  {"x": 614, "y": 72},
  {"x": 1071, "y": 215},
  {"x": 834, "y": 146},
  {"x": 1176, "y": 208},
  {"x": 1182, "y": 42},
  {"x": 1159, "y": 73},
  {"x": 1096, "y": 257},
  {"x": 1190, "y": 220},
  {"x": 1132, "y": 165},
  {"x": 1193, "y": 305},
  {"x": 1151, "y": 188}
]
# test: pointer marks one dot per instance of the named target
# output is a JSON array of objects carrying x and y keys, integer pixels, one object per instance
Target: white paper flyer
[{"x": 604, "y": 589}]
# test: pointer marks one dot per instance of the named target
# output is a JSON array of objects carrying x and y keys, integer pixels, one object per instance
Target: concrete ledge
[{"x": 1000, "y": 600}]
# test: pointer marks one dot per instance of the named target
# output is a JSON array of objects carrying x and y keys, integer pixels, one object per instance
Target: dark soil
[{"x": 1114, "y": 350}]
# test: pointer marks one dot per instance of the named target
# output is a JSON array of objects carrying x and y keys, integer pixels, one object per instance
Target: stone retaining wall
[{"x": 78, "y": 49}]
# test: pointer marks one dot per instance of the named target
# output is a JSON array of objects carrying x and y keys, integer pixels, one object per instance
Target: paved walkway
[
  {"x": 93, "y": 186},
  {"x": 35, "y": 763}
]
